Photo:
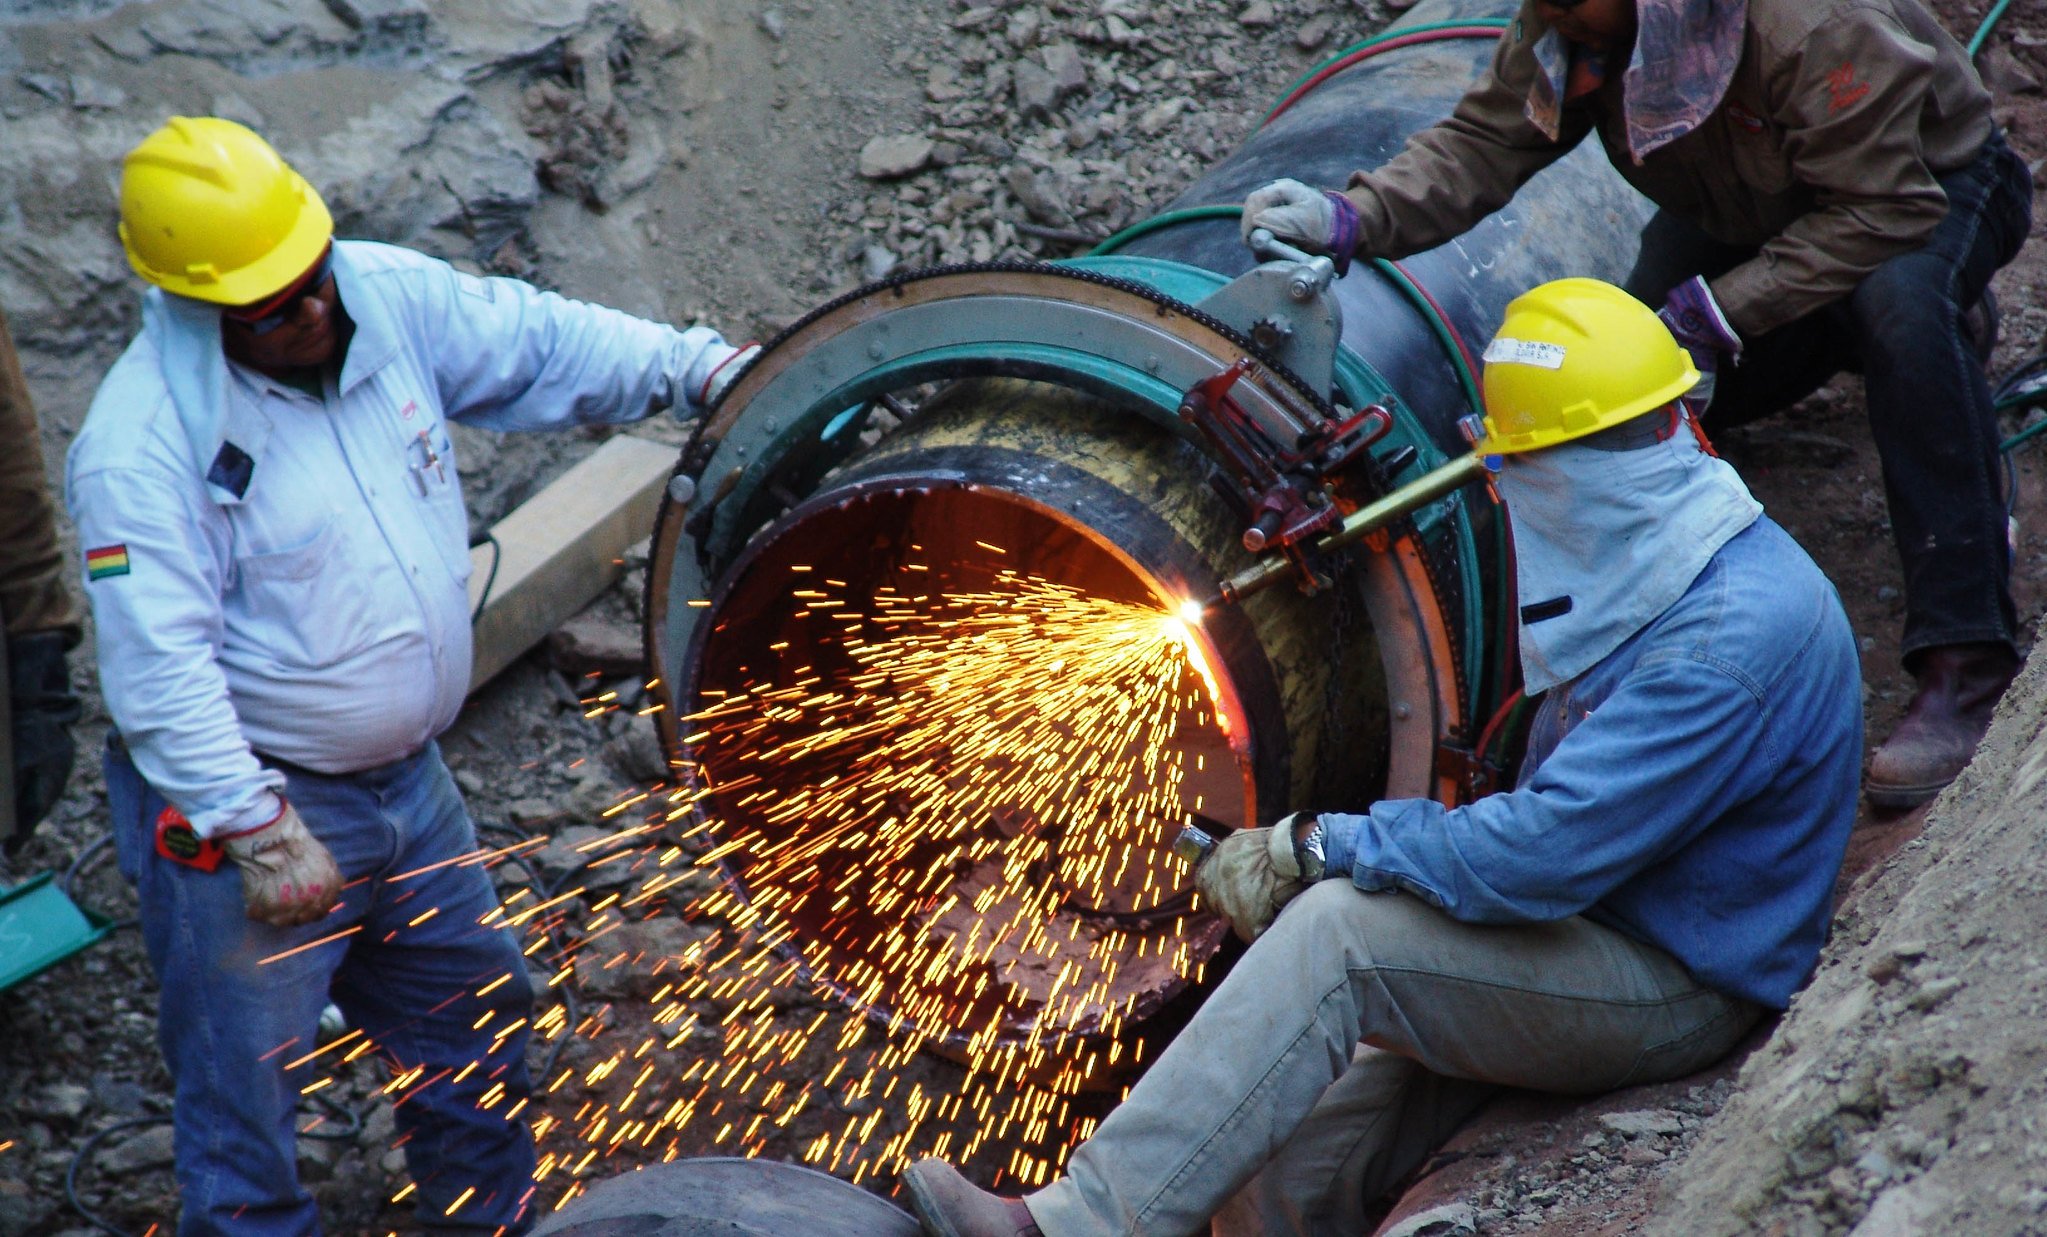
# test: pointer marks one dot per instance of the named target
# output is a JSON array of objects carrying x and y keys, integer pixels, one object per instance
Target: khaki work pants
[{"x": 1359, "y": 1032}]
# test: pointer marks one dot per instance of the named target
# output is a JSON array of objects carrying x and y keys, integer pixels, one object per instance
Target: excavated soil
[{"x": 702, "y": 159}]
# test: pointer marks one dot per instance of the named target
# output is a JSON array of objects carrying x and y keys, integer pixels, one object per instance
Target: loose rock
[
  {"x": 1315, "y": 31},
  {"x": 147, "y": 1148},
  {"x": 1641, "y": 1124},
  {"x": 1038, "y": 197},
  {"x": 887, "y": 158},
  {"x": 62, "y": 1101},
  {"x": 1159, "y": 117},
  {"x": 593, "y": 643}
]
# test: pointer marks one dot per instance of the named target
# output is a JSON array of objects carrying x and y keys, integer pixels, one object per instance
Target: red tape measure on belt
[{"x": 178, "y": 842}]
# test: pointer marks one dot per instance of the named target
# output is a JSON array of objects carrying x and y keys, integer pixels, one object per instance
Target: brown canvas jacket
[
  {"x": 1822, "y": 151},
  {"x": 33, "y": 595}
]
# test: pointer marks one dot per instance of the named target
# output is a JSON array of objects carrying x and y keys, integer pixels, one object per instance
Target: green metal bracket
[{"x": 41, "y": 926}]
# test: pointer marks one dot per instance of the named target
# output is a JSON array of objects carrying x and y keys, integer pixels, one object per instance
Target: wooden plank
[{"x": 563, "y": 547}]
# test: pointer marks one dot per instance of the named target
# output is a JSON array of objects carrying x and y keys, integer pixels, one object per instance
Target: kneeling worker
[
  {"x": 1659, "y": 880},
  {"x": 277, "y": 554},
  {"x": 1834, "y": 194}
]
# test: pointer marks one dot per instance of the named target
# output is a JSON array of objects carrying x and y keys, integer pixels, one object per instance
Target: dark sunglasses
[
  {"x": 267, "y": 316},
  {"x": 1565, "y": 5}
]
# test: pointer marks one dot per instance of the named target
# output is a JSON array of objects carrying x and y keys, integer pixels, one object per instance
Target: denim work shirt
[
  {"x": 276, "y": 571},
  {"x": 1693, "y": 790}
]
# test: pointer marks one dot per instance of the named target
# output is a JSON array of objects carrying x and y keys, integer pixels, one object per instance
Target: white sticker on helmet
[{"x": 1524, "y": 352}]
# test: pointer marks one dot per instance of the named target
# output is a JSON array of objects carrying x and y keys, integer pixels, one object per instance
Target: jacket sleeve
[
  {"x": 1659, "y": 760},
  {"x": 158, "y": 626},
  {"x": 1850, "y": 100},
  {"x": 1455, "y": 173},
  {"x": 509, "y": 356},
  {"x": 33, "y": 595}
]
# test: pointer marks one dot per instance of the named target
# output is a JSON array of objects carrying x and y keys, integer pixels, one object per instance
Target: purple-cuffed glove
[
  {"x": 1694, "y": 318},
  {"x": 1317, "y": 220}
]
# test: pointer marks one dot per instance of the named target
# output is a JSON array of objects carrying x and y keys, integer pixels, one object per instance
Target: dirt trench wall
[{"x": 1904, "y": 1093}]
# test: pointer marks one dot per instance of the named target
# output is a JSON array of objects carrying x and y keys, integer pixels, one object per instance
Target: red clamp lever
[{"x": 1284, "y": 497}]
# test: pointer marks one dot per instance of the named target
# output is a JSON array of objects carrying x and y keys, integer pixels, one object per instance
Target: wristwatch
[{"x": 1308, "y": 852}]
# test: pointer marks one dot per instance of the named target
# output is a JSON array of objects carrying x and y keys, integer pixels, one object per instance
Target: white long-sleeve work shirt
[{"x": 277, "y": 573}]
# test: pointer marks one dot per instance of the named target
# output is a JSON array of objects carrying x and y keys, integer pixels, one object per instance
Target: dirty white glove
[
  {"x": 725, "y": 371},
  {"x": 288, "y": 877},
  {"x": 1253, "y": 874},
  {"x": 1304, "y": 217}
]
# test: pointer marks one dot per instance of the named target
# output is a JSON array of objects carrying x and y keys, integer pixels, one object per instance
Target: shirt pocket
[
  {"x": 438, "y": 490},
  {"x": 304, "y": 605},
  {"x": 1755, "y": 151}
]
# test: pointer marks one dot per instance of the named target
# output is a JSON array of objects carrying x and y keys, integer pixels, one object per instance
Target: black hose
[
  {"x": 497, "y": 555},
  {"x": 352, "y": 1120},
  {"x": 68, "y": 882},
  {"x": 84, "y": 1157}
]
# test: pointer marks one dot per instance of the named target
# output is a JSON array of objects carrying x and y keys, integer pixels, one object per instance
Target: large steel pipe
[
  {"x": 960, "y": 433},
  {"x": 1044, "y": 483}
]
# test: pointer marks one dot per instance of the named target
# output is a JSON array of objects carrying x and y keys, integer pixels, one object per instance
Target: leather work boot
[
  {"x": 951, "y": 1206},
  {"x": 1959, "y": 685}
]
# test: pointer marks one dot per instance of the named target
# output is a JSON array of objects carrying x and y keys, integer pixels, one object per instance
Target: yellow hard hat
[
  {"x": 1573, "y": 357},
  {"x": 209, "y": 211}
]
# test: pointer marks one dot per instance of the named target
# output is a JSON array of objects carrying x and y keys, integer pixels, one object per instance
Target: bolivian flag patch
[{"x": 108, "y": 560}]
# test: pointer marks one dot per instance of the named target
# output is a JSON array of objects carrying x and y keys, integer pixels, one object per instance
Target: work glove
[
  {"x": 41, "y": 708},
  {"x": 288, "y": 877},
  {"x": 1694, "y": 317},
  {"x": 1254, "y": 873},
  {"x": 1307, "y": 218},
  {"x": 723, "y": 374}
]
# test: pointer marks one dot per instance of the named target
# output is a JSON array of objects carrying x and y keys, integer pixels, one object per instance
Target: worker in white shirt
[{"x": 277, "y": 556}]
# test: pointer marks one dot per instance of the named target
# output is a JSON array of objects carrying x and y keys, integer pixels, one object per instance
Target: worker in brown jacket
[
  {"x": 40, "y": 614},
  {"x": 1834, "y": 195}
]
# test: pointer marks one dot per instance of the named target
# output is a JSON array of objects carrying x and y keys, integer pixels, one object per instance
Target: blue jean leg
[
  {"x": 449, "y": 1000},
  {"x": 228, "y": 1021},
  {"x": 234, "y": 1027}
]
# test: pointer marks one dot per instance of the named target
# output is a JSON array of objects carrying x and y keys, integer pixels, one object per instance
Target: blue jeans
[
  {"x": 1904, "y": 330},
  {"x": 236, "y": 1019}
]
